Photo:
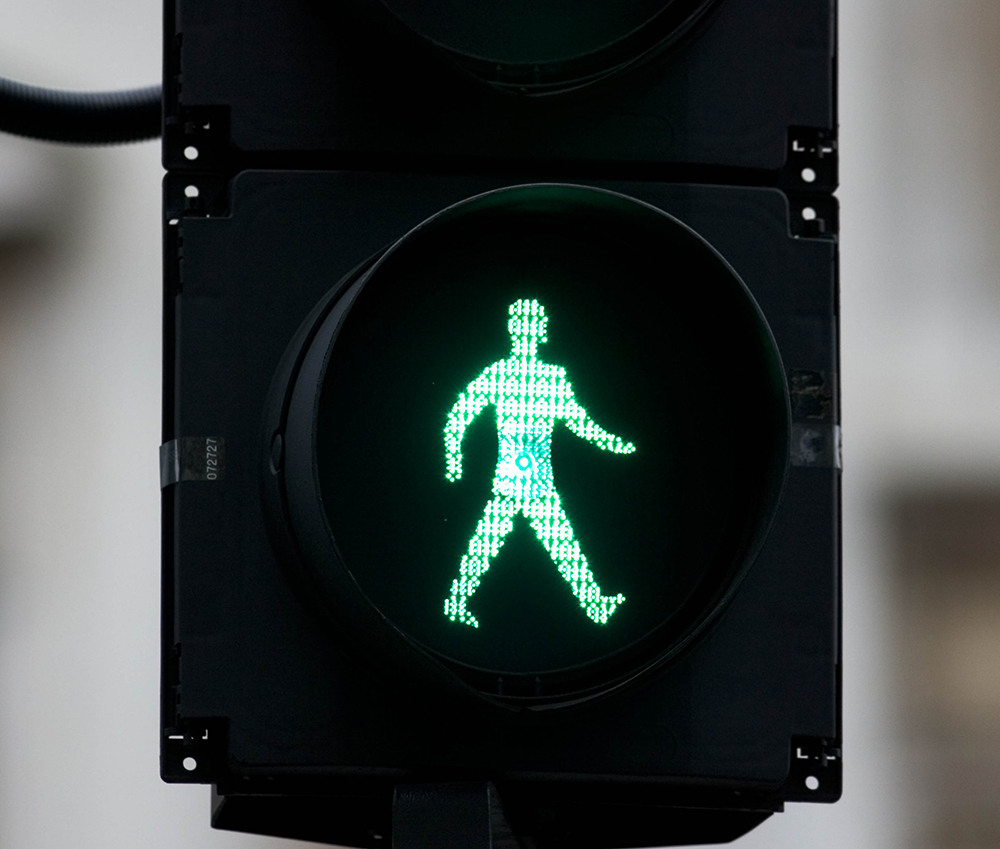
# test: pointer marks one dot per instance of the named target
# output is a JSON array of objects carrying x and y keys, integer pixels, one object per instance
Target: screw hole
[
  {"x": 190, "y": 152},
  {"x": 191, "y": 191},
  {"x": 808, "y": 175},
  {"x": 190, "y": 764},
  {"x": 812, "y": 782},
  {"x": 809, "y": 214}
]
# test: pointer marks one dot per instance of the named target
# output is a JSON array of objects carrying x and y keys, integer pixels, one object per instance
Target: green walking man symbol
[{"x": 529, "y": 396}]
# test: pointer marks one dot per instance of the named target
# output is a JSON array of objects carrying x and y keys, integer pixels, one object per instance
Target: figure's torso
[{"x": 529, "y": 396}]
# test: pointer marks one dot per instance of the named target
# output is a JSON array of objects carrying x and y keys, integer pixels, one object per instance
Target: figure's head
[{"x": 527, "y": 325}]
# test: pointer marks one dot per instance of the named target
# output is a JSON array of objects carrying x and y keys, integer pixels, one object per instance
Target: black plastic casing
[
  {"x": 750, "y": 90},
  {"x": 268, "y": 701},
  {"x": 300, "y": 140}
]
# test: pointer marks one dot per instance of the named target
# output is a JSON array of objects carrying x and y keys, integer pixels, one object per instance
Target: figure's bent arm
[
  {"x": 469, "y": 404},
  {"x": 578, "y": 421}
]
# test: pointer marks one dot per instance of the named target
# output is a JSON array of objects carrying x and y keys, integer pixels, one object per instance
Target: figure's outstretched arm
[
  {"x": 578, "y": 421},
  {"x": 465, "y": 409}
]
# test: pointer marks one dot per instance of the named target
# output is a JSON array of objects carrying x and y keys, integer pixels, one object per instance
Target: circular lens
[
  {"x": 547, "y": 435},
  {"x": 542, "y": 43}
]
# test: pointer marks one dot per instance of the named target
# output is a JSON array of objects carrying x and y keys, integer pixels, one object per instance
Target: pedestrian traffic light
[{"x": 501, "y": 440}]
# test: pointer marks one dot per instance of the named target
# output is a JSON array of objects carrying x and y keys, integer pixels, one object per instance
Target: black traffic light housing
[
  {"x": 735, "y": 92},
  {"x": 304, "y": 142}
]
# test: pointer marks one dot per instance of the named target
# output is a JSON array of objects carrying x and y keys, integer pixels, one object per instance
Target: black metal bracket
[
  {"x": 195, "y": 195},
  {"x": 815, "y": 771},
  {"x": 813, "y": 216},
  {"x": 811, "y": 164},
  {"x": 195, "y": 751},
  {"x": 450, "y": 816},
  {"x": 196, "y": 138}
]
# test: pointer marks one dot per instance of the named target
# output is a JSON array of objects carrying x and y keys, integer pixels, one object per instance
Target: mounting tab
[
  {"x": 196, "y": 138},
  {"x": 815, "y": 771},
  {"x": 811, "y": 162},
  {"x": 813, "y": 216},
  {"x": 195, "y": 195},
  {"x": 194, "y": 752}
]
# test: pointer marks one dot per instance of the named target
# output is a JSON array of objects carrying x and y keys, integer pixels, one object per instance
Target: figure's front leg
[{"x": 552, "y": 526}]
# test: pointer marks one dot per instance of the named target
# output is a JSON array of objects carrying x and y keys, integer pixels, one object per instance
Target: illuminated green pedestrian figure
[{"x": 529, "y": 396}]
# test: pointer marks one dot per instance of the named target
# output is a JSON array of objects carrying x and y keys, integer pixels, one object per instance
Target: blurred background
[{"x": 79, "y": 431}]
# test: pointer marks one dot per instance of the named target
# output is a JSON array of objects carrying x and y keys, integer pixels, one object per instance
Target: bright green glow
[{"x": 529, "y": 396}]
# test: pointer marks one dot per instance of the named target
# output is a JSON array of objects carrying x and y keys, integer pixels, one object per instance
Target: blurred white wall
[
  {"x": 79, "y": 411},
  {"x": 79, "y": 478},
  {"x": 920, "y": 296}
]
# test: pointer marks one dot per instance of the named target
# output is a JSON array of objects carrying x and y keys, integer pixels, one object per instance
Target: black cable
[{"x": 100, "y": 117}]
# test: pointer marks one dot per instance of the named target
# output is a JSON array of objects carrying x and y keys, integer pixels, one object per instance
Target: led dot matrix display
[
  {"x": 530, "y": 397},
  {"x": 524, "y": 461}
]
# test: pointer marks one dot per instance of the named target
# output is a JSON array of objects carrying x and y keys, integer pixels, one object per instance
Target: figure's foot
[
  {"x": 600, "y": 611},
  {"x": 454, "y": 609},
  {"x": 467, "y": 618}
]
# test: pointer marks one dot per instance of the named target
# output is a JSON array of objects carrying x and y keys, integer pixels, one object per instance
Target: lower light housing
[
  {"x": 281, "y": 690},
  {"x": 648, "y": 331}
]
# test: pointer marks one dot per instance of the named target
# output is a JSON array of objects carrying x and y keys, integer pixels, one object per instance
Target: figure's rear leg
[
  {"x": 552, "y": 526},
  {"x": 496, "y": 523}
]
